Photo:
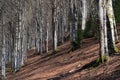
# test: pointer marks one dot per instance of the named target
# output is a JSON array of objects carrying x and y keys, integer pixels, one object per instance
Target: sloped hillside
[
  {"x": 59, "y": 40},
  {"x": 66, "y": 65}
]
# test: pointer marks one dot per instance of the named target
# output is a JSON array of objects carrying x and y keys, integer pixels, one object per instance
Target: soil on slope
[{"x": 67, "y": 65}]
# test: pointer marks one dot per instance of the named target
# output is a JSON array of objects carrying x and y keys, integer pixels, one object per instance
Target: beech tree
[
  {"x": 43, "y": 25},
  {"x": 3, "y": 41}
]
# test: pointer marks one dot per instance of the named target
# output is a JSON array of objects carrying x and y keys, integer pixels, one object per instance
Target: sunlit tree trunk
[
  {"x": 111, "y": 18},
  {"x": 24, "y": 36},
  {"x": 101, "y": 27},
  {"x": 103, "y": 30},
  {"x": 54, "y": 33},
  {"x": 84, "y": 14}
]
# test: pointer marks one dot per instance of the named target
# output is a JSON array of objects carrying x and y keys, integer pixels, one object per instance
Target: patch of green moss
[
  {"x": 55, "y": 51},
  {"x": 100, "y": 61},
  {"x": 8, "y": 70},
  {"x": 104, "y": 58},
  {"x": 116, "y": 50}
]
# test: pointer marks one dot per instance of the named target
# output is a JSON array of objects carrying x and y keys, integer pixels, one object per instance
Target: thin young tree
[{"x": 3, "y": 42}]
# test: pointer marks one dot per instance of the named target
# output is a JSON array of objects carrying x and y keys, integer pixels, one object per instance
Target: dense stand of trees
[{"x": 46, "y": 24}]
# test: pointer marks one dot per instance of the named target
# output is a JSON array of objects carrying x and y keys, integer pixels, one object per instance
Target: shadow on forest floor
[{"x": 87, "y": 66}]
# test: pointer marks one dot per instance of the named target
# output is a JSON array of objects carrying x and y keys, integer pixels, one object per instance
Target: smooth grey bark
[
  {"x": 54, "y": 33},
  {"x": 3, "y": 42}
]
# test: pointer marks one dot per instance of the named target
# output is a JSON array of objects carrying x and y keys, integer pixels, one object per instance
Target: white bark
[
  {"x": 105, "y": 28},
  {"x": 84, "y": 14},
  {"x": 111, "y": 19},
  {"x": 112, "y": 16},
  {"x": 101, "y": 16},
  {"x": 3, "y": 42},
  {"x": 47, "y": 37}
]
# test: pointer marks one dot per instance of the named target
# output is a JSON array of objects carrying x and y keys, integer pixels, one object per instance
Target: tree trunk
[{"x": 3, "y": 42}]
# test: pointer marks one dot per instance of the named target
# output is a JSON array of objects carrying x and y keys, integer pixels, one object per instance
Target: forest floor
[{"x": 67, "y": 65}]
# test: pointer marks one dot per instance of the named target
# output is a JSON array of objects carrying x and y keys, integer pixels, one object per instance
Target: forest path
[{"x": 66, "y": 65}]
